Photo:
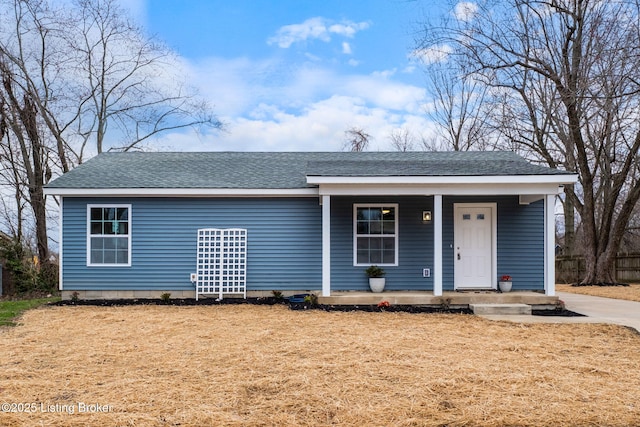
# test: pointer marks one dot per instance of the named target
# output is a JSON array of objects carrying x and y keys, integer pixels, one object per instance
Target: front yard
[{"x": 237, "y": 365}]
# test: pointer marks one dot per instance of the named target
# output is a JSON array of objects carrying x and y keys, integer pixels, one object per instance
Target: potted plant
[
  {"x": 376, "y": 278},
  {"x": 505, "y": 283}
]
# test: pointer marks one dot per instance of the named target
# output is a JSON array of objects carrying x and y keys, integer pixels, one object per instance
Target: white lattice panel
[{"x": 222, "y": 262}]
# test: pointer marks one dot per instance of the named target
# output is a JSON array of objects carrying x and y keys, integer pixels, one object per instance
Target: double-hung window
[
  {"x": 375, "y": 234},
  {"x": 109, "y": 235}
]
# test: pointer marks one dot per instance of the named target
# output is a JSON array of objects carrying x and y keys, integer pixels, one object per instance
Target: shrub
[
  {"x": 26, "y": 272},
  {"x": 374, "y": 271}
]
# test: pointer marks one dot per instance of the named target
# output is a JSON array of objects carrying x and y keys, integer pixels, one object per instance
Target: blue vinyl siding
[
  {"x": 284, "y": 242},
  {"x": 415, "y": 241},
  {"x": 521, "y": 243},
  {"x": 520, "y": 240}
]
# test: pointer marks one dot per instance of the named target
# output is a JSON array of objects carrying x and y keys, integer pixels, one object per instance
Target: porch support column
[
  {"x": 326, "y": 245},
  {"x": 437, "y": 245},
  {"x": 550, "y": 245}
]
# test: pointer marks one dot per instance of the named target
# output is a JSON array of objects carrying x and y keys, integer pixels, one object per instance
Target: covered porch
[{"x": 443, "y": 192}]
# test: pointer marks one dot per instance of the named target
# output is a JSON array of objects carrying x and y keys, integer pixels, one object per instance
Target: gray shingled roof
[{"x": 278, "y": 170}]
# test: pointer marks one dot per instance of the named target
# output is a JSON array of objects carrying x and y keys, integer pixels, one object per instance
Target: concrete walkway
[
  {"x": 597, "y": 310},
  {"x": 607, "y": 310}
]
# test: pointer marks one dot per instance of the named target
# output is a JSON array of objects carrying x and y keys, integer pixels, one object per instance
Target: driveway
[
  {"x": 604, "y": 310},
  {"x": 597, "y": 310}
]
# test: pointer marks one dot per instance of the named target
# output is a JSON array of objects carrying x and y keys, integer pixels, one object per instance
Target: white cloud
[
  {"x": 233, "y": 85},
  {"x": 385, "y": 73},
  {"x": 381, "y": 92},
  {"x": 432, "y": 54},
  {"x": 272, "y": 107},
  {"x": 348, "y": 29},
  {"x": 409, "y": 69},
  {"x": 465, "y": 10},
  {"x": 317, "y": 28}
]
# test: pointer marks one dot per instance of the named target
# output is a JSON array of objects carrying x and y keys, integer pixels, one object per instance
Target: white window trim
[
  {"x": 355, "y": 231},
  {"x": 107, "y": 205}
]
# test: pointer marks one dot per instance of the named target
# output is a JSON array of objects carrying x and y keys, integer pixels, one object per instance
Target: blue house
[{"x": 142, "y": 224}]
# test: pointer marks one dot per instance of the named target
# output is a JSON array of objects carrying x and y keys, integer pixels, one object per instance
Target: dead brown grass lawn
[
  {"x": 269, "y": 366},
  {"x": 631, "y": 292}
]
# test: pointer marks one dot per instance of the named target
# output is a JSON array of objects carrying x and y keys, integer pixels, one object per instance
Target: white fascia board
[
  {"x": 435, "y": 180},
  {"x": 182, "y": 192},
  {"x": 449, "y": 190}
]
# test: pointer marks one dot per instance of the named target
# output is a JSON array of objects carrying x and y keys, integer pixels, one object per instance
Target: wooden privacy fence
[{"x": 571, "y": 269}]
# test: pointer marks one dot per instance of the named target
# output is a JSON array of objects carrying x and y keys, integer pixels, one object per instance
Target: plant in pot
[
  {"x": 376, "y": 278},
  {"x": 505, "y": 283}
]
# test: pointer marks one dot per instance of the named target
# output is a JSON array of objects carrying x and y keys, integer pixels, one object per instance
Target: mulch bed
[
  {"x": 172, "y": 301},
  {"x": 295, "y": 305},
  {"x": 390, "y": 309},
  {"x": 261, "y": 301},
  {"x": 556, "y": 312}
]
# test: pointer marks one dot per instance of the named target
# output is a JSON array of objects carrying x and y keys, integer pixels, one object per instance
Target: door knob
[{"x": 458, "y": 256}]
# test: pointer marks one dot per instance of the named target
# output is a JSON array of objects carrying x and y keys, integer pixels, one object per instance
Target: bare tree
[
  {"x": 574, "y": 64},
  {"x": 458, "y": 106},
  {"x": 402, "y": 140},
  {"x": 19, "y": 114},
  {"x": 78, "y": 78},
  {"x": 356, "y": 139},
  {"x": 12, "y": 177},
  {"x": 133, "y": 84},
  {"x": 526, "y": 115},
  {"x": 30, "y": 53}
]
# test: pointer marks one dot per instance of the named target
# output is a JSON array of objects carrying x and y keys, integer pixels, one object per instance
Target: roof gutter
[
  {"x": 558, "y": 179},
  {"x": 182, "y": 192}
]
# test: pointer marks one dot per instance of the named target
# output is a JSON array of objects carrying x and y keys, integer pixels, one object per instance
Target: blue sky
[{"x": 294, "y": 75}]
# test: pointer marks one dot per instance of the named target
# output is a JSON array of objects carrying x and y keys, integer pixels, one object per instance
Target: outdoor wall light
[{"x": 426, "y": 216}]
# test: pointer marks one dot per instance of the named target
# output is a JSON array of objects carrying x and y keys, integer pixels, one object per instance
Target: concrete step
[{"x": 503, "y": 309}]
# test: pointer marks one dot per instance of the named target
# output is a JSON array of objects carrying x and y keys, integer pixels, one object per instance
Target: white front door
[{"x": 473, "y": 246}]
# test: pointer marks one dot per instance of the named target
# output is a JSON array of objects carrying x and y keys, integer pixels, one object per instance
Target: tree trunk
[
  {"x": 40, "y": 214},
  {"x": 33, "y": 158},
  {"x": 600, "y": 268},
  {"x": 28, "y": 115},
  {"x": 569, "y": 226}
]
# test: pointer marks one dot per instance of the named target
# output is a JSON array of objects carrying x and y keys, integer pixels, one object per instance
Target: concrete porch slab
[{"x": 448, "y": 298}]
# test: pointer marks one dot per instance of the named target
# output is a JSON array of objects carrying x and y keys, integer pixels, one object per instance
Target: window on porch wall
[{"x": 375, "y": 234}]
